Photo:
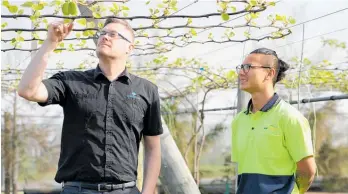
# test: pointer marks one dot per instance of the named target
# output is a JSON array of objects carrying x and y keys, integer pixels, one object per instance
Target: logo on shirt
[
  {"x": 271, "y": 127},
  {"x": 133, "y": 95}
]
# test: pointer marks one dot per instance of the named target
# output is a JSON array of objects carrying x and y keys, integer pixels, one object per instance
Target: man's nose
[
  {"x": 241, "y": 72},
  {"x": 105, "y": 37}
]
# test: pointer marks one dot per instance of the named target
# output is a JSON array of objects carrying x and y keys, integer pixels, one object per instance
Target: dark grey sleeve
[
  {"x": 152, "y": 122},
  {"x": 56, "y": 89}
]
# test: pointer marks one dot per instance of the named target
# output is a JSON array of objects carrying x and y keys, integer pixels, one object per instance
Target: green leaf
[
  {"x": 5, "y": 3},
  {"x": 189, "y": 21},
  {"x": 253, "y": 2},
  {"x": 72, "y": 8},
  {"x": 85, "y": 33},
  {"x": 100, "y": 25},
  {"x": 247, "y": 34},
  {"x": 292, "y": 20},
  {"x": 27, "y": 4},
  {"x": 225, "y": 16},
  {"x": 13, "y": 8},
  {"x": 78, "y": 35},
  {"x": 125, "y": 7},
  {"x": 147, "y": 2},
  {"x": 37, "y": 7},
  {"x": 233, "y": 8},
  {"x": 3, "y": 25},
  {"x": 272, "y": 3},
  {"x": 279, "y": 18},
  {"x": 231, "y": 75},
  {"x": 20, "y": 12},
  {"x": 66, "y": 21},
  {"x": 71, "y": 47},
  {"x": 306, "y": 61},
  {"x": 65, "y": 8},
  {"x": 115, "y": 6},
  {"x": 193, "y": 32},
  {"x": 82, "y": 66},
  {"x": 200, "y": 80},
  {"x": 13, "y": 40},
  {"x": 277, "y": 34},
  {"x": 156, "y": 61},
  {"x": 40, "y": 41},
  {"x": 96, "y": 15},
  {"x": 342, "y": 45},
  {"x": 210, "y": 36},
  {"x": 82, "y": 21},
  {"x": 325, "y": 61},
  {"x": 90, "y": 24},
  {"x": 57, "y": 51},
  {"x": 20, "y": 39},
  {"x": 223, "y": 6},
  {"x": 34, "y": 34},
  {"x": 160, "y": 5},
  {"x": 43, "y": 3},
  {"x": 254, "y": 15},
  {"x": 91, "y": 33},
  {"x": 40, "y": 6}
]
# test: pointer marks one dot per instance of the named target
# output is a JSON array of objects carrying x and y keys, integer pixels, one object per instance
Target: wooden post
[{"x": 175, "y": 175}]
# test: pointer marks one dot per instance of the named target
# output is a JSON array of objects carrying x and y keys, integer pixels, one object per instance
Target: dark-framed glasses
[
  {"x": 246, "y": 67},
  {"x": 112, "y": 34}
]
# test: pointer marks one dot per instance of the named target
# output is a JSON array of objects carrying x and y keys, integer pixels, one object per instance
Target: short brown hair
[{"x": 122, "y": 22}]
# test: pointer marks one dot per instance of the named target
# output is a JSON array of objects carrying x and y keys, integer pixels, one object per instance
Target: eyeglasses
[
  {"x": 111, "y": 34},
  {"x": 246, "y": 67}
]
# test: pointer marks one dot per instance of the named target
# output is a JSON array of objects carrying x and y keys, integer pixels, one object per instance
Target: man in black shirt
[{"x": 107, "y": 110}]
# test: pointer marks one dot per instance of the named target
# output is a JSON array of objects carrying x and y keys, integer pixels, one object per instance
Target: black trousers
[{"x": 77, "y": 190}]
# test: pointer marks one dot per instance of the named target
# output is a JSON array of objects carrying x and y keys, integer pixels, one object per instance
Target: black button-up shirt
[{"x": 103, "y": 123}]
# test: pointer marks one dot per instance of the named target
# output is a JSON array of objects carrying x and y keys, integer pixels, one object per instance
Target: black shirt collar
[
  {"x": 98, "y": 72},
  {"x": 270, "y": 104}
]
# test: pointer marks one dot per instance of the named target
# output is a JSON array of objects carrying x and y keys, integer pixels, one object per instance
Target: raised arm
[{"x": 30, "y": 86}]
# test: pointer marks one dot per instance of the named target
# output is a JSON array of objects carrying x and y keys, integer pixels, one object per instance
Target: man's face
[
  {"x": 115, "y": 41},
  {"x": 258, "y": 73}
]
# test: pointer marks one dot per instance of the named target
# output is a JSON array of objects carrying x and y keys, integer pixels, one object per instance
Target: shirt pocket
[
  {"x": 87, "y": 104},
  {"x": 134, "y": 109},
  {"x": 269, "y": 143}
]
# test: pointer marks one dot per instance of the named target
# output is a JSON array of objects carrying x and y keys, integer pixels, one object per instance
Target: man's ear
[
  {"x": 130, "y": 48},
  {"x": 272, "y": 73}
]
